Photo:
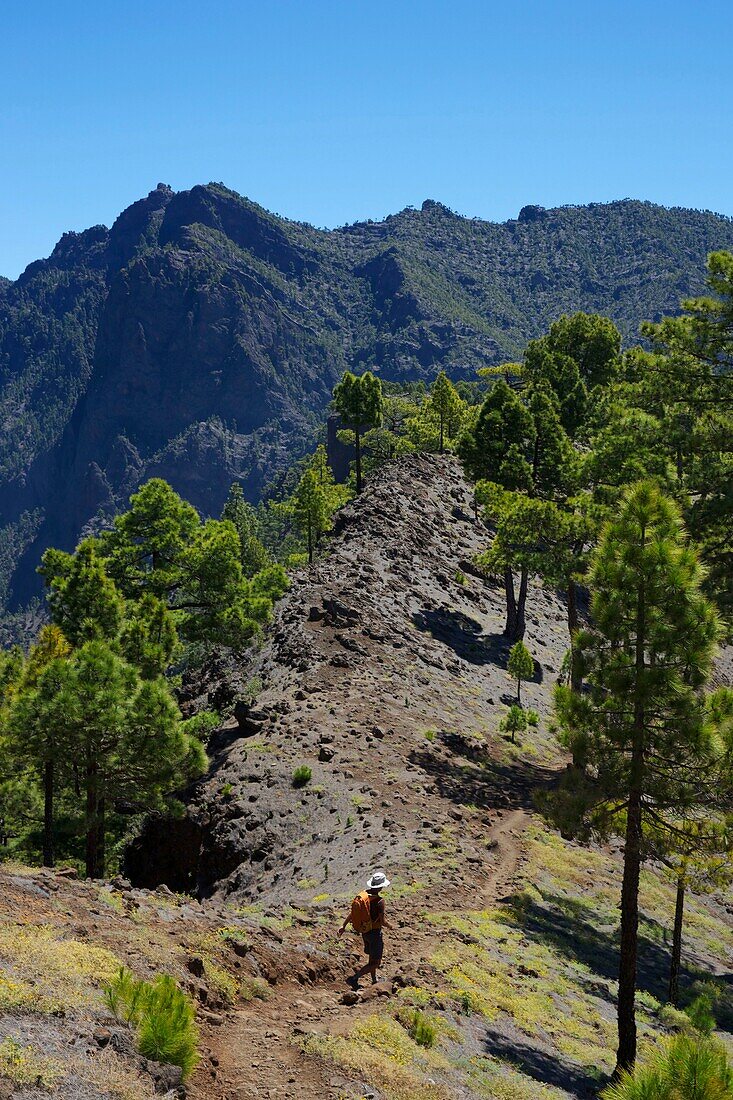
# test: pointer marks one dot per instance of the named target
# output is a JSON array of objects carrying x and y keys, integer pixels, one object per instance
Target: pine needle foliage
[
  {"x": 685, "y": 1067},
  {"x": 162, "y": 1016}
]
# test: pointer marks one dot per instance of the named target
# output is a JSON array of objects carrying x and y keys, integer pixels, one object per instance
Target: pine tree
[
  {"x": 310, "y": 509},
  {"x": 145, "y": 547},
  {"x": 148, "y": 637},
  {"x": 529, "y": 539},
  {"x": 687, "y": 383},
  {"x": 520, "y": 666},
  {"x": 503, "y": 422},
  {"x": 240, "y": 512},
  {"x": 38, "y": 737},
  {"x": 335, "y": 495},
  {"x": 83, "y": 600},
  {"x": 124, "y": 735},
  {"x": 358, "y": 401},
  {"x": 700, "y": 868},
  {"x": 160, "y": 550},
  {"x": 526, "y": 466},
  {"x": 446, "y": 406},
  {"x": 213, "y": 601},
  {"x": 644, "y": 724},
  {"x": 579, "y": 354},
  {"x": 514, "y": 722}
]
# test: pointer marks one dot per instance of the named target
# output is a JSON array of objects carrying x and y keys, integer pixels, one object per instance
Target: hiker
[{"x": 367, "y": 916}]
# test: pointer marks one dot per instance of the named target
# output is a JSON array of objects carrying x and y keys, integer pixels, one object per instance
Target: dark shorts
[{"x": 374, "y": 945}]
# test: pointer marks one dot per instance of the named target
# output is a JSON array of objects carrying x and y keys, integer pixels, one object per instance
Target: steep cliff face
[{"x": 199, "y": 337}]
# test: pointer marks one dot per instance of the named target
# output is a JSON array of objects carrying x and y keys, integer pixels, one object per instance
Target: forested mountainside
[{"x": 199, "y": 338}]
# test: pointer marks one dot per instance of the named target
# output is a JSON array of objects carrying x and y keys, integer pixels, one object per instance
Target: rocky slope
[
  {"x": 384, "y": 671},
  {"x": 199, "y": 337}
]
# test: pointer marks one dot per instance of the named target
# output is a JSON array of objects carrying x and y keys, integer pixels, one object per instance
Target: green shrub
[
  {"x": 421, "y": 1028},
  {"x": 161, "y": 1014},
  {"x": 700, "y": 1013},
  {"x": 693, "y": 1066},
  {"x": 302, "y": 775},
  {"x": 533, "y": 718},
  {"x": 514, "y": 722}
]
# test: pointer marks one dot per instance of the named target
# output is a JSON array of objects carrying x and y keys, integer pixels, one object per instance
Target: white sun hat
[{"x": 378, "y": 881}]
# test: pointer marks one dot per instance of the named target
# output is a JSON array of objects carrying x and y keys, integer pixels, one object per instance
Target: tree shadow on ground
[
  {"x": 487, "y": 785},
  {"x": 463, "y": 635},
  {"x": 597, "y": 949},
  {"x": 548, "y": 1069}
]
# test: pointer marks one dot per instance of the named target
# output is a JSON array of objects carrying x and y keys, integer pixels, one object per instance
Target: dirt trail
[
  {"x": 385, "y": 670},
  {"x": 257, "y": 1050}
]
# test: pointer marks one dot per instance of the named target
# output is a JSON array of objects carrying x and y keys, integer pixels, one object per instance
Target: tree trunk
[
  {"x": 310, "y": 541},
  {"x": 626, "y": 1055},
  {"x": 357, "y": 437},
  {"x": 674, "y": 969},
  {"x": 519, "y": 691},
  {"x": 48, "y": 780},
  {"x": 91, "y": 823},
  {"x": 441, "y": 434},
  {"x": 521, "y": 604},
  {"x": 515, "y": 605},
  {"x": 576, "y": 676},
  {"x": 511, "y": 604},
  {"x": 101, "y": 857}
]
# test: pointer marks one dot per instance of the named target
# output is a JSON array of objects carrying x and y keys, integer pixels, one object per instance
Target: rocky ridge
[{"x": 384, "y": 672}]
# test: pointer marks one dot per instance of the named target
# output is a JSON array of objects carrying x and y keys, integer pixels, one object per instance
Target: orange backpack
[{"x": 361, "y": 916}]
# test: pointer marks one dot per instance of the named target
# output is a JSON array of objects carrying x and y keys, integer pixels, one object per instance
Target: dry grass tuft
[
  {"x": 44, "y": 973},
  {"x": 24, "y": 1066}
]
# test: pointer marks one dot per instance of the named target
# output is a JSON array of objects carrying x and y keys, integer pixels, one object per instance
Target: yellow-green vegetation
[
  {"x": 501, "y": 970},
  {"x": 208, "y": 946},
  {"x": 381, "y": 1050},
  {"x": 256, "y": 744},
  {"x": 23, "y": 1065},
  {"x": 302, "y": 775},
  {"x": 41, "y": 972},
  {"x": 492, "y": 1079},
  {"x": 161, "y": 1014},
  {"x": 416, "y": 996},
  {"x": 254, "y": 914},
  {"x": 421, "y": 1028},
  {"x": 562, "y": 871},
  {"x": 112, "y": 898},
  {"x": 252, "y": 989}
]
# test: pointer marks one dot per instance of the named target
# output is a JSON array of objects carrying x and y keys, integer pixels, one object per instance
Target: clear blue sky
[{"x": 331, "y": 111}]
